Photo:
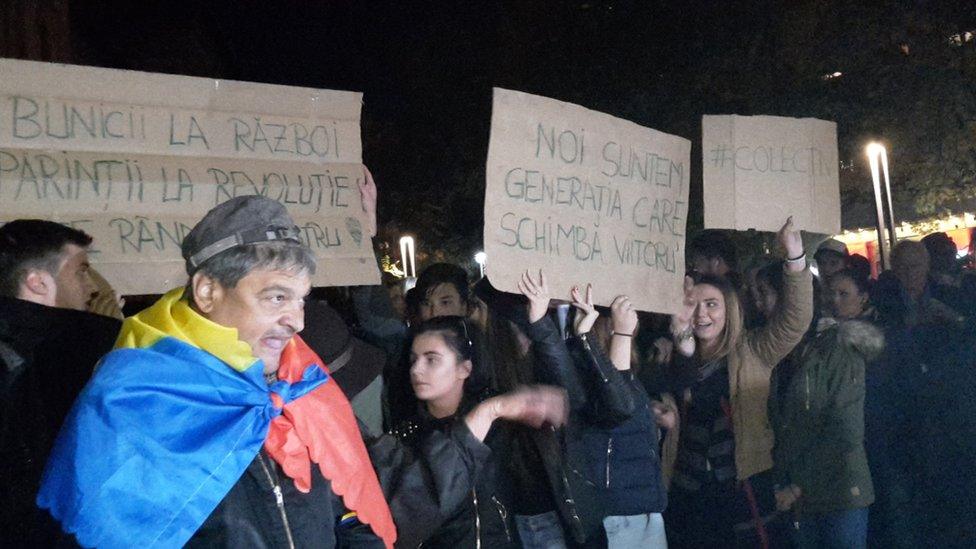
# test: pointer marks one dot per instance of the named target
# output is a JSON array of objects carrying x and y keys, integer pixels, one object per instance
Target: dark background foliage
[{"x": 907, "y": 77}]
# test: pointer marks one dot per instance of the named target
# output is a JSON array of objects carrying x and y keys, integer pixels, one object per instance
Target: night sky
[{"x": 427, "y": 70}]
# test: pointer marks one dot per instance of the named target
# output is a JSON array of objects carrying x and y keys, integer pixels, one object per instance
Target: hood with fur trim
[{"x": 864, "y": 337}]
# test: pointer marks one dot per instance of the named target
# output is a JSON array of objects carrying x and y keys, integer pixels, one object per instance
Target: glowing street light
[
  {"x": 481, "y": 258},
  {"x": 408, "y": 257},
  {"x": 893, "y": 235},
  {"x": 878, "y": 158}
]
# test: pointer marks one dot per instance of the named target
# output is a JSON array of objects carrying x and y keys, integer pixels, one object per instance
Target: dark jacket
[
  {"x": 265, "y": 509},
  {"x": 47, "y": 355},
  {"x": 477, "y": 515},
  {"x": 594, "y": 395},
  {"x": 426, "y": 482},
  {"x": 597, "y": 395},
  {"x": 619, "y": 435},
  {"x": 423, "y": 483},
  {"x": 817, "y": 416}
]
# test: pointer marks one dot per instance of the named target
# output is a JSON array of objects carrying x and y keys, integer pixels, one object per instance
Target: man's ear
[
  {"x": 206, "y": 292},
  {"x": 39, "y": 286}
]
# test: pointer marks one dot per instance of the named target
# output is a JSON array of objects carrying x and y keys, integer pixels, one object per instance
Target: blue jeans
[
  {"x": 543, "y": 531},
  {"x": 846, "y": 529},
  {"x": 645, "y": 531}
]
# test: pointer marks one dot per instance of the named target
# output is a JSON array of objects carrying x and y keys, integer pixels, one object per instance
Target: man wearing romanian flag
[{"x": 212, "y": 423}]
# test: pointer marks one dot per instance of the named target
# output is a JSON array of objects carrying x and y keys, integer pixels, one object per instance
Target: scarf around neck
[{"x": 173, "y": 417}]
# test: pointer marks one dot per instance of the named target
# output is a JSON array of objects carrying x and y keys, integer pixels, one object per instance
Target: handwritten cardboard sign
[
  {"x": 759, "y": 170},
  {"x": 586, "y": 197},
  {"x": 136, "y": 159}
]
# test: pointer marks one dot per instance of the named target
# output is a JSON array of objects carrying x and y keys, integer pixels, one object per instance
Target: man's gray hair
[{"x": 230, "y": 266}]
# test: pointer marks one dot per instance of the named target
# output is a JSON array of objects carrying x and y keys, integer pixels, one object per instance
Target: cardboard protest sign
[
  {"x": 136, "y": 159},
  {"x": 586, "y": 197},
  {"x": 759, "y": 170}
]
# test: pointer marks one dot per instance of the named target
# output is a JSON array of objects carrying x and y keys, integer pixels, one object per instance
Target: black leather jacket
[
  {"x": 424, "y": 484},
  {"x": 264, "y": 509},
  {"x": 597, "y": 394},
  {"x": 467, "y": 515},
  {"x": 47, "y": 355}
]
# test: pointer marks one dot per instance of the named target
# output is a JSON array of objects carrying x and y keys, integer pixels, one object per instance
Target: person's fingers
[
  {"x": 540, "y": 405},
  {"x": 578, "y": 301},
  {"x": 529, "y": 283},
  {"x": 557, "y": 411},
  {"x": 367, "y": 186},
  {"x": 589, "y": 294}
]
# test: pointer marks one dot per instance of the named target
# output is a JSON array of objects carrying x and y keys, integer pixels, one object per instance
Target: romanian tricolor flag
[{"x": 174, "y": 416}]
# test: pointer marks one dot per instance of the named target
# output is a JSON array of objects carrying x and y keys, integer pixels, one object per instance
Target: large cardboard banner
[
  {"x": 136, "y": 159},
  {"x": 759, "y": 170},
  {"x": 587, "y": 198}
]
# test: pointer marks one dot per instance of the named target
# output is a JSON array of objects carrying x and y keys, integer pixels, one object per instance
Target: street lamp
[
  {"x": 407, "y": 257},
  {"x": 481, "y": 258},
  {"x": 878, "y": 158}
]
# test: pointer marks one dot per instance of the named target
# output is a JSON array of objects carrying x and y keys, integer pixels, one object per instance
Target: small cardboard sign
[
  {"x": 587, "y": 198},
  {"x": 759, "y": 170}
]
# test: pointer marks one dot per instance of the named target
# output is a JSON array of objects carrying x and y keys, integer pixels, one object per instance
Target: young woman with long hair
[
  {"x": 720, "y": 487},
  {"x": 450, "y": 381}
]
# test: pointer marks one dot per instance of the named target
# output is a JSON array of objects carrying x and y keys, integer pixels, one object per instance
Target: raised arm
[
  {"x": 609, "y": 399},
  {"x": 624, "y": 322},
  {"x": 425, "y": 484},
  {"x": 773, "y": 342},
  {"x": 553, "y": 364},
  {"x": 681, "y": 368}
]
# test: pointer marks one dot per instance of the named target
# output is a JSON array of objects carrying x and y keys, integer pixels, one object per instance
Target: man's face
[
  {"x": 266, "y": 307},
  {"x": 912, "y": 270},
  {"x": 74, "y": 285},
  {"x": 766, "y": 299},
  {"x": 709, "y": 266},
  {"x": 398, "y": 300},
  {"x": 830, "y": 263},
  {"x": 442, "y": 300}
]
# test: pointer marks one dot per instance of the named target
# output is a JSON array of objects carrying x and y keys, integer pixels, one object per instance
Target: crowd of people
[{"x": 775, "y": 409}]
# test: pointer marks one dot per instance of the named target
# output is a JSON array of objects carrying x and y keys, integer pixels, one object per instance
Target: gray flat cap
[{"x": 239, "y": 221}]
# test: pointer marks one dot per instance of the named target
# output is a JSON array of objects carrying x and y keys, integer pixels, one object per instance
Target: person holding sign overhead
[
  {"x": 622, "y": 459},
  {"x": 720, "y": 485}
]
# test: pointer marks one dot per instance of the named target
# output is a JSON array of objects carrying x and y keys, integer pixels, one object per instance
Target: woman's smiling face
[{"x": 709, "y": 320}]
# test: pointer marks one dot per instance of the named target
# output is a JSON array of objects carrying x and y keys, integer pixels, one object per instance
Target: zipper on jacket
[
  {"x": 503, "y": 513},
  {"x": 586, "y": 345},
  {"x": 477, "y": 519},
  {"x": 806, "y": 375},
  {"x": 609, "y": 453},
  {"x": 569, "y": 496},
  {"x": 279, "y": 499}
]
